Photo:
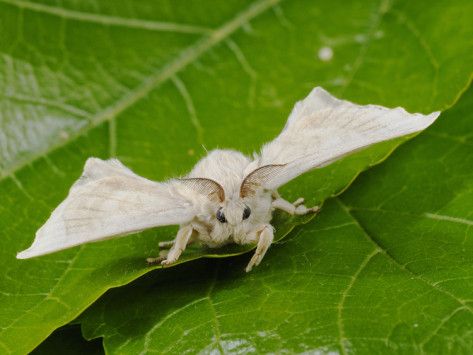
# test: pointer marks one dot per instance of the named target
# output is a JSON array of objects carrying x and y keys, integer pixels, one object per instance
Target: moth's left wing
[
  {"x": 322, "y": 129},
  {"x": 109, "y": 200}
]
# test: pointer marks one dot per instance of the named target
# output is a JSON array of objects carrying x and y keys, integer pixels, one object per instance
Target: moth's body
[
  {"x": 229, "y": 168},
  {"x": 227, "y": 197}
]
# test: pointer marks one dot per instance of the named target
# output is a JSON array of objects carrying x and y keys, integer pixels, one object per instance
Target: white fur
[{"x": 110, "y": 200}]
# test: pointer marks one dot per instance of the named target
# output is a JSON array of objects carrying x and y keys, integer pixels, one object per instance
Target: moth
[{"x": 227, "y": 197}]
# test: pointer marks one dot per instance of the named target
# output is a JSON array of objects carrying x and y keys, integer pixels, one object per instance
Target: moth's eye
[
  {"x": 246, "y": 212},
  {"x": 220, "y": 216}
]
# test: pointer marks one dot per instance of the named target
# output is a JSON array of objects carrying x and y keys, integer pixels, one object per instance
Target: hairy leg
[
  {"x": 265, "y": 238},
  {"x": 167, "y": 244},
  {"x": 179, "y": 244},
  {"x": 182, "y": 239},
  {"x": 296, "y": 207},
  {"x": 157, "y": 260}
]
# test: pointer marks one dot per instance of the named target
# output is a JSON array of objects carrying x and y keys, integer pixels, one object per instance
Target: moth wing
[
  {"x": 322, "y": 129},
  {"x": 107, "y": 201}
]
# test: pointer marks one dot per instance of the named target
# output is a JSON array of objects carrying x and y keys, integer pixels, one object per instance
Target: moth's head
[{"x": 233, "y": 212}]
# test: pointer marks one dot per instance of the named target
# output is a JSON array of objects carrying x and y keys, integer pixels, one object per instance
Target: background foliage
[{"x": 385, "y": 267}]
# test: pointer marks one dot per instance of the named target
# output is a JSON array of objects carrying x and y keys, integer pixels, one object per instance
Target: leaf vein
[
  {"x": 50, "y": 295},
  {"x": 108, "y": 19},
  {"x": 166, "y": 318},
  {"x": 47, "y": 103},
  {"x": 401, "y": 266},
  {"x": 440, "y": 217},
  {"x": 341, "y": 328},
  {"x": 441, "y": 324},
  {"x": 376, "y": 19},
  {"x": 181, "y": 87}
]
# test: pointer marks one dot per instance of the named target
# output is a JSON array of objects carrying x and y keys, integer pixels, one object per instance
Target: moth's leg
[
  {"x": 167, "y": 244},
  {"x": 183, "y": 237},
  {"x": 162, "y": 256},
  {"x": 296, "y": 207},
  {"x": 177, "y": 246},
  {"x": 265, "y": 238}
]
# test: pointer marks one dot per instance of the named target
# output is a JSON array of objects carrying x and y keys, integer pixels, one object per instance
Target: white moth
[{"x": 227, "y": 197}]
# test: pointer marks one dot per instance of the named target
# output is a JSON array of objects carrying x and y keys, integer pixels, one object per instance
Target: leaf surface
[
  {"x": 385, "y": 268},
  {"x": 151, "y": 83}
]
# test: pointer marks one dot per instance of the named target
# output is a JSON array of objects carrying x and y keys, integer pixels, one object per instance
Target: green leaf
[
  {"x": 150, "y": 83},
  {"x": 385, "y": 268}
]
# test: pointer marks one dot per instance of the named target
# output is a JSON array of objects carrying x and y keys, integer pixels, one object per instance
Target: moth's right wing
[
  {"x": 110, "y": 200},
  {"x": 322, "y": 129}
]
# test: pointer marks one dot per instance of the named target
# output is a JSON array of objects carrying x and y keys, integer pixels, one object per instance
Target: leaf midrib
[{"x": 164, "y": 73}]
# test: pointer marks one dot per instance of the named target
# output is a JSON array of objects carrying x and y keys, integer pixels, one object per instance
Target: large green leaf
[
  {"x": 386, "y": 268},
  {"x": 152, "y": 81}
]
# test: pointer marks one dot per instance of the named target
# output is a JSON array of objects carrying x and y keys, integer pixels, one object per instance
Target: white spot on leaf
[{"x": 325, "y": 54}]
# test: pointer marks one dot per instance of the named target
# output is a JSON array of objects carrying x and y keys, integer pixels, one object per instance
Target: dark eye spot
[
  {"x": 220, "y": 216},
  {"x": 246, "y": 212}
]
